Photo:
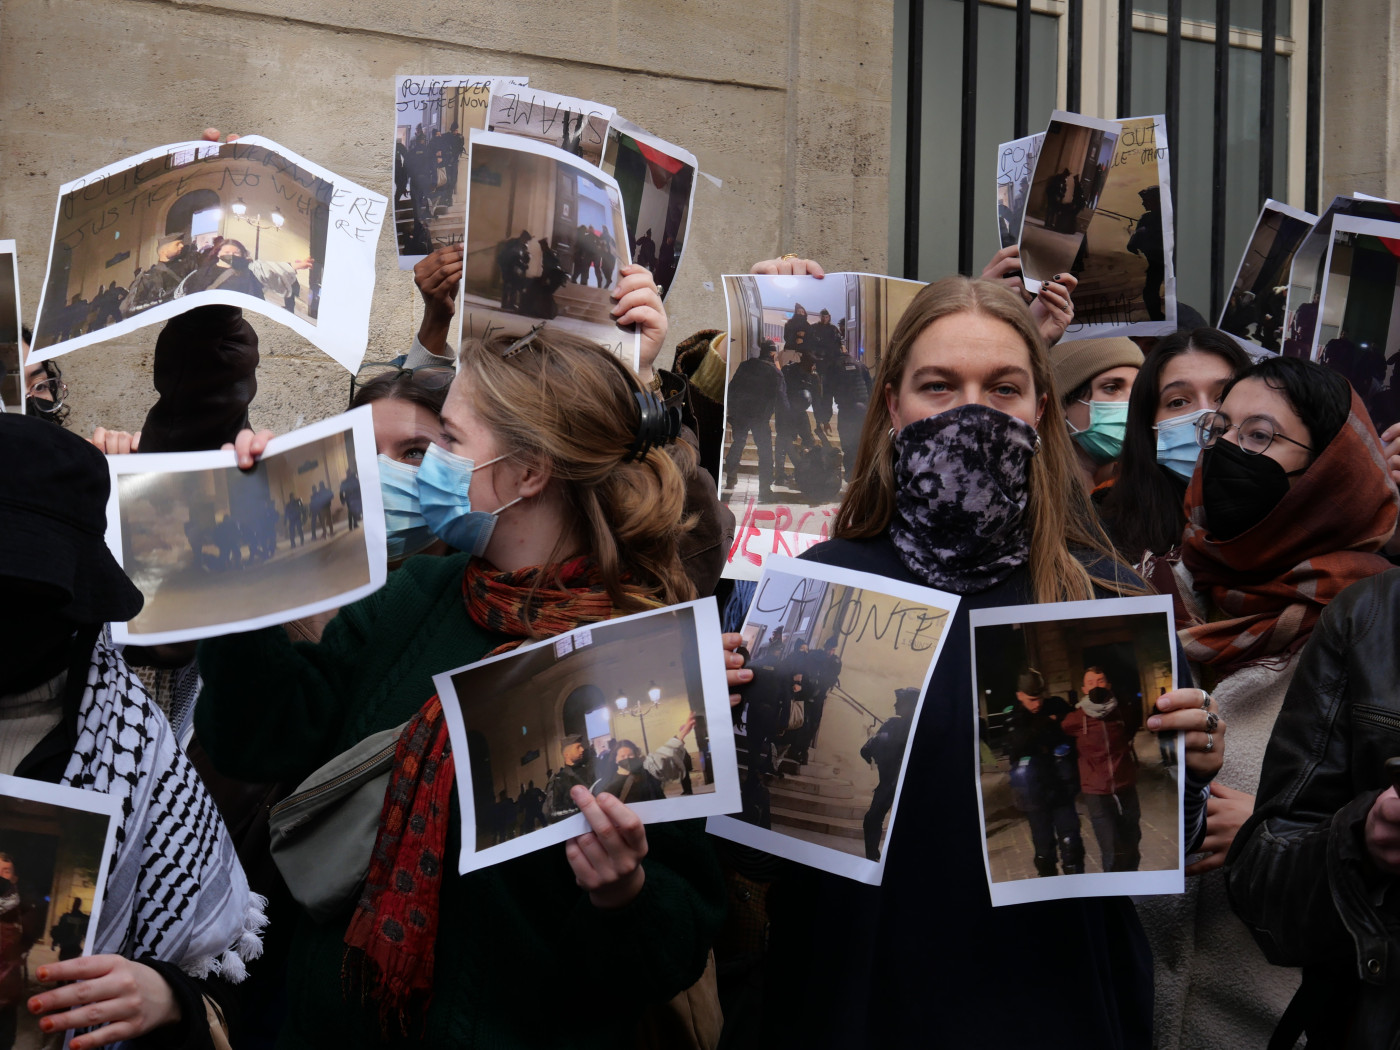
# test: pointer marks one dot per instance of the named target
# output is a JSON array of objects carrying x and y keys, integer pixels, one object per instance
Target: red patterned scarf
[
  {"x": 1270, "y": 584},
  {"x": 389, "y": 944}
]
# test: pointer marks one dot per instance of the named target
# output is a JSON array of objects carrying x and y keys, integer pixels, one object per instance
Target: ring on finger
[
  {"x": 1206, "y": 700},
  {"x": 791, "y": 255},
  {"x": 1212, "y": 721},
  {"x": 1210, "y": 743}
]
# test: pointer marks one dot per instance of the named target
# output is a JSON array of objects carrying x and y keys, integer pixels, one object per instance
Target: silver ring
[
  {"x": 1212, "y": 721},
  {"x": 1206, "y": 700},
  {"x": 1210, "y": 743}
]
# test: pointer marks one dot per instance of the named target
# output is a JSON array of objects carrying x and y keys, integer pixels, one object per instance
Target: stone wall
[{"x": 787, "y": 103}]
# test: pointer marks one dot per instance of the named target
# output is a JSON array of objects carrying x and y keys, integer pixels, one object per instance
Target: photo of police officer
[{"x": 1064, "y": 749}]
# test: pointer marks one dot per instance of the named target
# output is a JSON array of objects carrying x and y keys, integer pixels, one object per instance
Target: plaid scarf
[
  {"x": 1270, "y": 585},
  {"x": 390, "y": 940}
]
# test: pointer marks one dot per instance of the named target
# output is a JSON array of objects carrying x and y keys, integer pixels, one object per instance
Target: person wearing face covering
[
  {"x": 1144, "y": 512},
  {"x": 1107, "y": 771},
  {"x": 965, "y": 481},
  {"x": 643, "y": 778},
  {"x": 1094, "y": 378},
  {"x": 559, "y": 488},
  {"x": 1287, "y": 508}
]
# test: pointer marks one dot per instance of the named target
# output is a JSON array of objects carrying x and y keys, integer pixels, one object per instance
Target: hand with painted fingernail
[
  {"x": 120, "y": 999},
  {"x": 1190, "y": 711}
]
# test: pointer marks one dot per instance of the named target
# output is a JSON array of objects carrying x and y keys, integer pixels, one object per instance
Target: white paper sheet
[
  {"x": 1006, "y": 641},
  {"x": 282, "y": 208},
  {"x": 889, "y": 637},
  {"x": 635, "y": 677},
  {"x": 166, "y": 527}
]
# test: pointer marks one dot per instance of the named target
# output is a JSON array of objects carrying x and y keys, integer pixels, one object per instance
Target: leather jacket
[{"x": 1299, "y": 873}]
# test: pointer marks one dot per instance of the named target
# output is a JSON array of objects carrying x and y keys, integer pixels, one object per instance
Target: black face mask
[
  {"x": 631, "y": 765},
  {"x": 1239, "y": 490},
  {"x": 35, "y": 649},
  {"x": 1100, "y": 695}
]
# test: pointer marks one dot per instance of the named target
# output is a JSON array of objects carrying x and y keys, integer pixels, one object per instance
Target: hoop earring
[{"x": 892, "y": 433}]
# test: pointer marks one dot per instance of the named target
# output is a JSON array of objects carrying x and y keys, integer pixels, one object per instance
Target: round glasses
[
  {"x": 54, "y": 391},
  {"x": 434, "y": 377},
  {"x": 1256, "y": 433}
]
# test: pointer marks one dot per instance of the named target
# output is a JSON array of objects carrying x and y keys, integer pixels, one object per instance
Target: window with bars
[{"x": 1243, "y": 115}]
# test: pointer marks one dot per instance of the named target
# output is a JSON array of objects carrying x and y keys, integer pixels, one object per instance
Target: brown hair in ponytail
[{"x": 566, "y": 403}]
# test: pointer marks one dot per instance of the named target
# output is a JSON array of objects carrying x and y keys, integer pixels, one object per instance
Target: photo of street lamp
[
  {"x": 640, "y": 709},
  {"x": 275, "y": 221}
]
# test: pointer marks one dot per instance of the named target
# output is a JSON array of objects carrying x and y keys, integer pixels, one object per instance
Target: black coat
[
  {"x": 921, "y": 959},
  {"x": 755, "y": 390},
  {"x": 1299, "y": 873}
]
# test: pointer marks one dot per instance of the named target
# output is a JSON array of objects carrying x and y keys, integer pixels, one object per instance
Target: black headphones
[{"x": 658, "y": 421}]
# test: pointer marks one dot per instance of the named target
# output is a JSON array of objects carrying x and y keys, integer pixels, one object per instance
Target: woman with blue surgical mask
[
  {"x": 552, "y": 437},
  {"x": 1094, "y": 378},
  {"x": 407, "y": 405},
  {"x": 1181, "y": 379}
]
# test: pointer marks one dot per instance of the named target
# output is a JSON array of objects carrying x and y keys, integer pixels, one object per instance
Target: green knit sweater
[{"x": 523, "y": 959}]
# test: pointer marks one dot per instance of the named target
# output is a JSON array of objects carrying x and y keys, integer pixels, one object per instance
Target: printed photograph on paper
[
  {"x": 1077, "y": 797},
  {"x": 432, "y": 117},
  {"x": 246, "y": 223},
  {"x": 546, "y": 242},
  {"x": 1127, "y": 285},
  {"x": 1305, "y": 278},
  {"x": 1254, "y": 311},
  {"x": 802, "y": 352},
  {"x": 55, "y": 844},
  {"x": 841, "y": 661},
  {"x": 574, "y": 125},
  {"x": 657, "y": 182},
  {"x": 215, "y": 549},
  {"x": 625, "y": 706},
  {"x": 1015, "y": 162},
  {"x": 1358, "y": 332},
  {"x": 11, "y": 361},
  {"x": 1071, "y": 173}
]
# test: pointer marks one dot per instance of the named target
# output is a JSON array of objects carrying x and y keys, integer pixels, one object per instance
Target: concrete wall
[
  {"x": 1360, "y": 97},
  {"x": 788, "y": 103}
]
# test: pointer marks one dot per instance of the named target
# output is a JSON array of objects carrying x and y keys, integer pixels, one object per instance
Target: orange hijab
[{"x": 1271, "y": 583}]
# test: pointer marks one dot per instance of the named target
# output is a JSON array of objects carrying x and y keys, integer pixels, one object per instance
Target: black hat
[
  {"x": 53, "y": 514},
  {"x": 1030, "y": 682},
  {"x": 907, "y": 695}
]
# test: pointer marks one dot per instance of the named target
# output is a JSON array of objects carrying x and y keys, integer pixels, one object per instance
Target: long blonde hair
[
  {"x": 1061, "y": 517},
  {"x": 567, "y": 404}
]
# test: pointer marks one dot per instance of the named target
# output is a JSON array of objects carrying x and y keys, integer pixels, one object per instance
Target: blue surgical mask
[
  {"x": 1177, "y": 449},
  {"x": 405, "y": 531},
  {"x": 1103, "y": 438},
  {"x": 444, "y": 484}
]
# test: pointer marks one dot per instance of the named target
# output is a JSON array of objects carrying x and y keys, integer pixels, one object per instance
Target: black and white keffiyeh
[
  {"x": 175, "y": 889},
  {"x": 962, "y": 484}
]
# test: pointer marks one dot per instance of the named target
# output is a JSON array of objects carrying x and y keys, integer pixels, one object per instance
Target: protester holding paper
[
  {"x": 966, "y": 481},
  {"x": 1181, "y": 380},
  {"x": 177, "y": 909},
  {"x": 550, "y": 479},
  {"x": 1287, "y": 508}
]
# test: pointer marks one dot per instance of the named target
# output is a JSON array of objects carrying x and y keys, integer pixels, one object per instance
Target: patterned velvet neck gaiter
[{"x": 962, "y": 482}]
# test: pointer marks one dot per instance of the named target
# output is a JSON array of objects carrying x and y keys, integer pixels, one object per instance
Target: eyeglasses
[
  {"x": 1256, "y": 433},
  {"x": 54, "y": 391},
  {"x": 434, "y": 377}
]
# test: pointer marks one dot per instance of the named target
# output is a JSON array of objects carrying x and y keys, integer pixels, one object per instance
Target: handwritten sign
[{"x": 306, "y": 237}]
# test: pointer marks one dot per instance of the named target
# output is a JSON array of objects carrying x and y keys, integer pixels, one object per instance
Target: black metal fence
[{"x": 1074, "y": 70}]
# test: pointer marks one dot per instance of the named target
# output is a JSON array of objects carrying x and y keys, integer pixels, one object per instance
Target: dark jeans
[
  {"x": 1056, "y": 828},
  {"x": 1116, "y": 826},
  {"x": 880, "y": 803},
  {"x": 789, "y": 433},
  {"x": 762, "y": 432},
  {"x": 848, "y": 426}
]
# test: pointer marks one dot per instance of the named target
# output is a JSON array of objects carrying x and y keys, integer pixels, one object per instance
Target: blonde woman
[
  {"x": 550, "y": 481},
  {"x": 965, "y": 480}
]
